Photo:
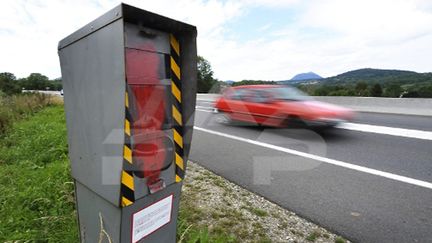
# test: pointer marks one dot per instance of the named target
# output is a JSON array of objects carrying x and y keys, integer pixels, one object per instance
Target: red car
[{"x": 278, "y": 105}]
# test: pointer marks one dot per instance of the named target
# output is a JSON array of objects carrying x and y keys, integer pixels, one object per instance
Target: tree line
[{"x": 9, "y": 84}]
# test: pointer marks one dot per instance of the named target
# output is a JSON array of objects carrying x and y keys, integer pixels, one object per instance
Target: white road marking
[
  {"x": 208, "y": 101},
  {"x": 367, "y": 170},
  {"x": 205, "y": 101},
  {"x": 204, "y": 107},
  {"x": 209, "y": 111},
  {"x": 393, "y": 131}
]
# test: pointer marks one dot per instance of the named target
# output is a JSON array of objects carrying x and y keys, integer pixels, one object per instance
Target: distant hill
[
  {"x": 306, "y": 76},
  {"x": 382, "y": 76},
  {"x": 229, "y": 82},
  {"x": 367, "y": 75},
  {"x": 302, "y": 78}
]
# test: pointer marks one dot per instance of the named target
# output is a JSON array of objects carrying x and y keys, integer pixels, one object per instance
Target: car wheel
[
  {"x": 294, "y": 122},
  {"x": 223, "y": 118}
]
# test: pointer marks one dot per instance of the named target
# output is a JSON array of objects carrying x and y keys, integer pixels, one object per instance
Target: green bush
[{"x": 9, "y": 84}]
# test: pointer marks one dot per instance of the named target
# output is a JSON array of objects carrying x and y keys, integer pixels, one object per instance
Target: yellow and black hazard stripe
[
  {"x": 176, "y": 87},
  {"x": 127, "y": 181}
]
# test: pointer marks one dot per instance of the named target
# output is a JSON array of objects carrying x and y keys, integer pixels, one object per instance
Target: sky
[{"x": 243, "y": 39}]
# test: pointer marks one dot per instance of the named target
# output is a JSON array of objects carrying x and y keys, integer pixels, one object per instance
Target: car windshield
[{"x": 289, "y": 93}]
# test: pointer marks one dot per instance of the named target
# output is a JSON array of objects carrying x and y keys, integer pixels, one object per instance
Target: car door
[
  {"x": 262, "y": 107},
  {"x": 236, "y": 105}
]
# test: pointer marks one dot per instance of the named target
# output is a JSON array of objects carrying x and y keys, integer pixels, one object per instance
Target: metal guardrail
[
  {"x": 406, "y": 106},
  {"x": 50, "y": 92}
]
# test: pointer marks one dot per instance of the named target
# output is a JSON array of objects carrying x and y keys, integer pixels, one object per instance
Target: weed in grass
[
  {"x": 258, "y": 212},
  {"x": 340, "y": 240},
  {"x": 216, "y": 215},
  {"x": 232, "y": 214},
  {"x": 227, "y": 223},
  {"x": 207, "y": 174},
  {"x": 275, "y": 214},
  {"x": 258, "y": 229},
  {"x": 313, "y": 236},
  {"x": 296, "y": 232},
  {"x": 200, "y": 178},
  {"x": 229, "y": 189},
  {"x": 218, "y": 229},
  {"x": 202, "y": 235},
  {"x": 219, "y": 182},
  {"x": 264, "y": 239},
  {"x": 283, "y": 225},
  {"x": 243, "y": 233},
  {"x": 197, "y": 187}
]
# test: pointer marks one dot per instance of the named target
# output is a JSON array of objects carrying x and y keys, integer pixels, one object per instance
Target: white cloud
[
  {"x": 30, "y": 30},
  {"x": 33, "y": 31},
  {"x": 382, "y": 34},
  {"x": 327, "y": 36},
  {"x": 271, "y": 3},
  {"x": 377, "y": 22},
  {"x": 349, "y": 35}
]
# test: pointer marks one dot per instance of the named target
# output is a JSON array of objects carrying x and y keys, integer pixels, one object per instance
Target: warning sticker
[{"x": 151, "y": 218}]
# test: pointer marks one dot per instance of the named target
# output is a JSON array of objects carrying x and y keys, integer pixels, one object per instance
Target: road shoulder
[{"x": 224, "y": 207}]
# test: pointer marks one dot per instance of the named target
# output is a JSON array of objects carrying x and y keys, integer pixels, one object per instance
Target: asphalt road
[{"x": 372, "y": 185}]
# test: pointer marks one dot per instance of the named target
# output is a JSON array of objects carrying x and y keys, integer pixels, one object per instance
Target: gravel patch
[{"x": 224, "y": 207}]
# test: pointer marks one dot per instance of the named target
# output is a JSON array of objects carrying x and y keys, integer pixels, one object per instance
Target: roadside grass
[
  {"x": 15, "y": 107},
  {"x": 36, "y": 190},
  {"x": 190, "y": 227}
]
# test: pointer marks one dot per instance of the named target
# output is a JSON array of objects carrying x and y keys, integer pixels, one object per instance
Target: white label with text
[{"x": 151, "y": 218}]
